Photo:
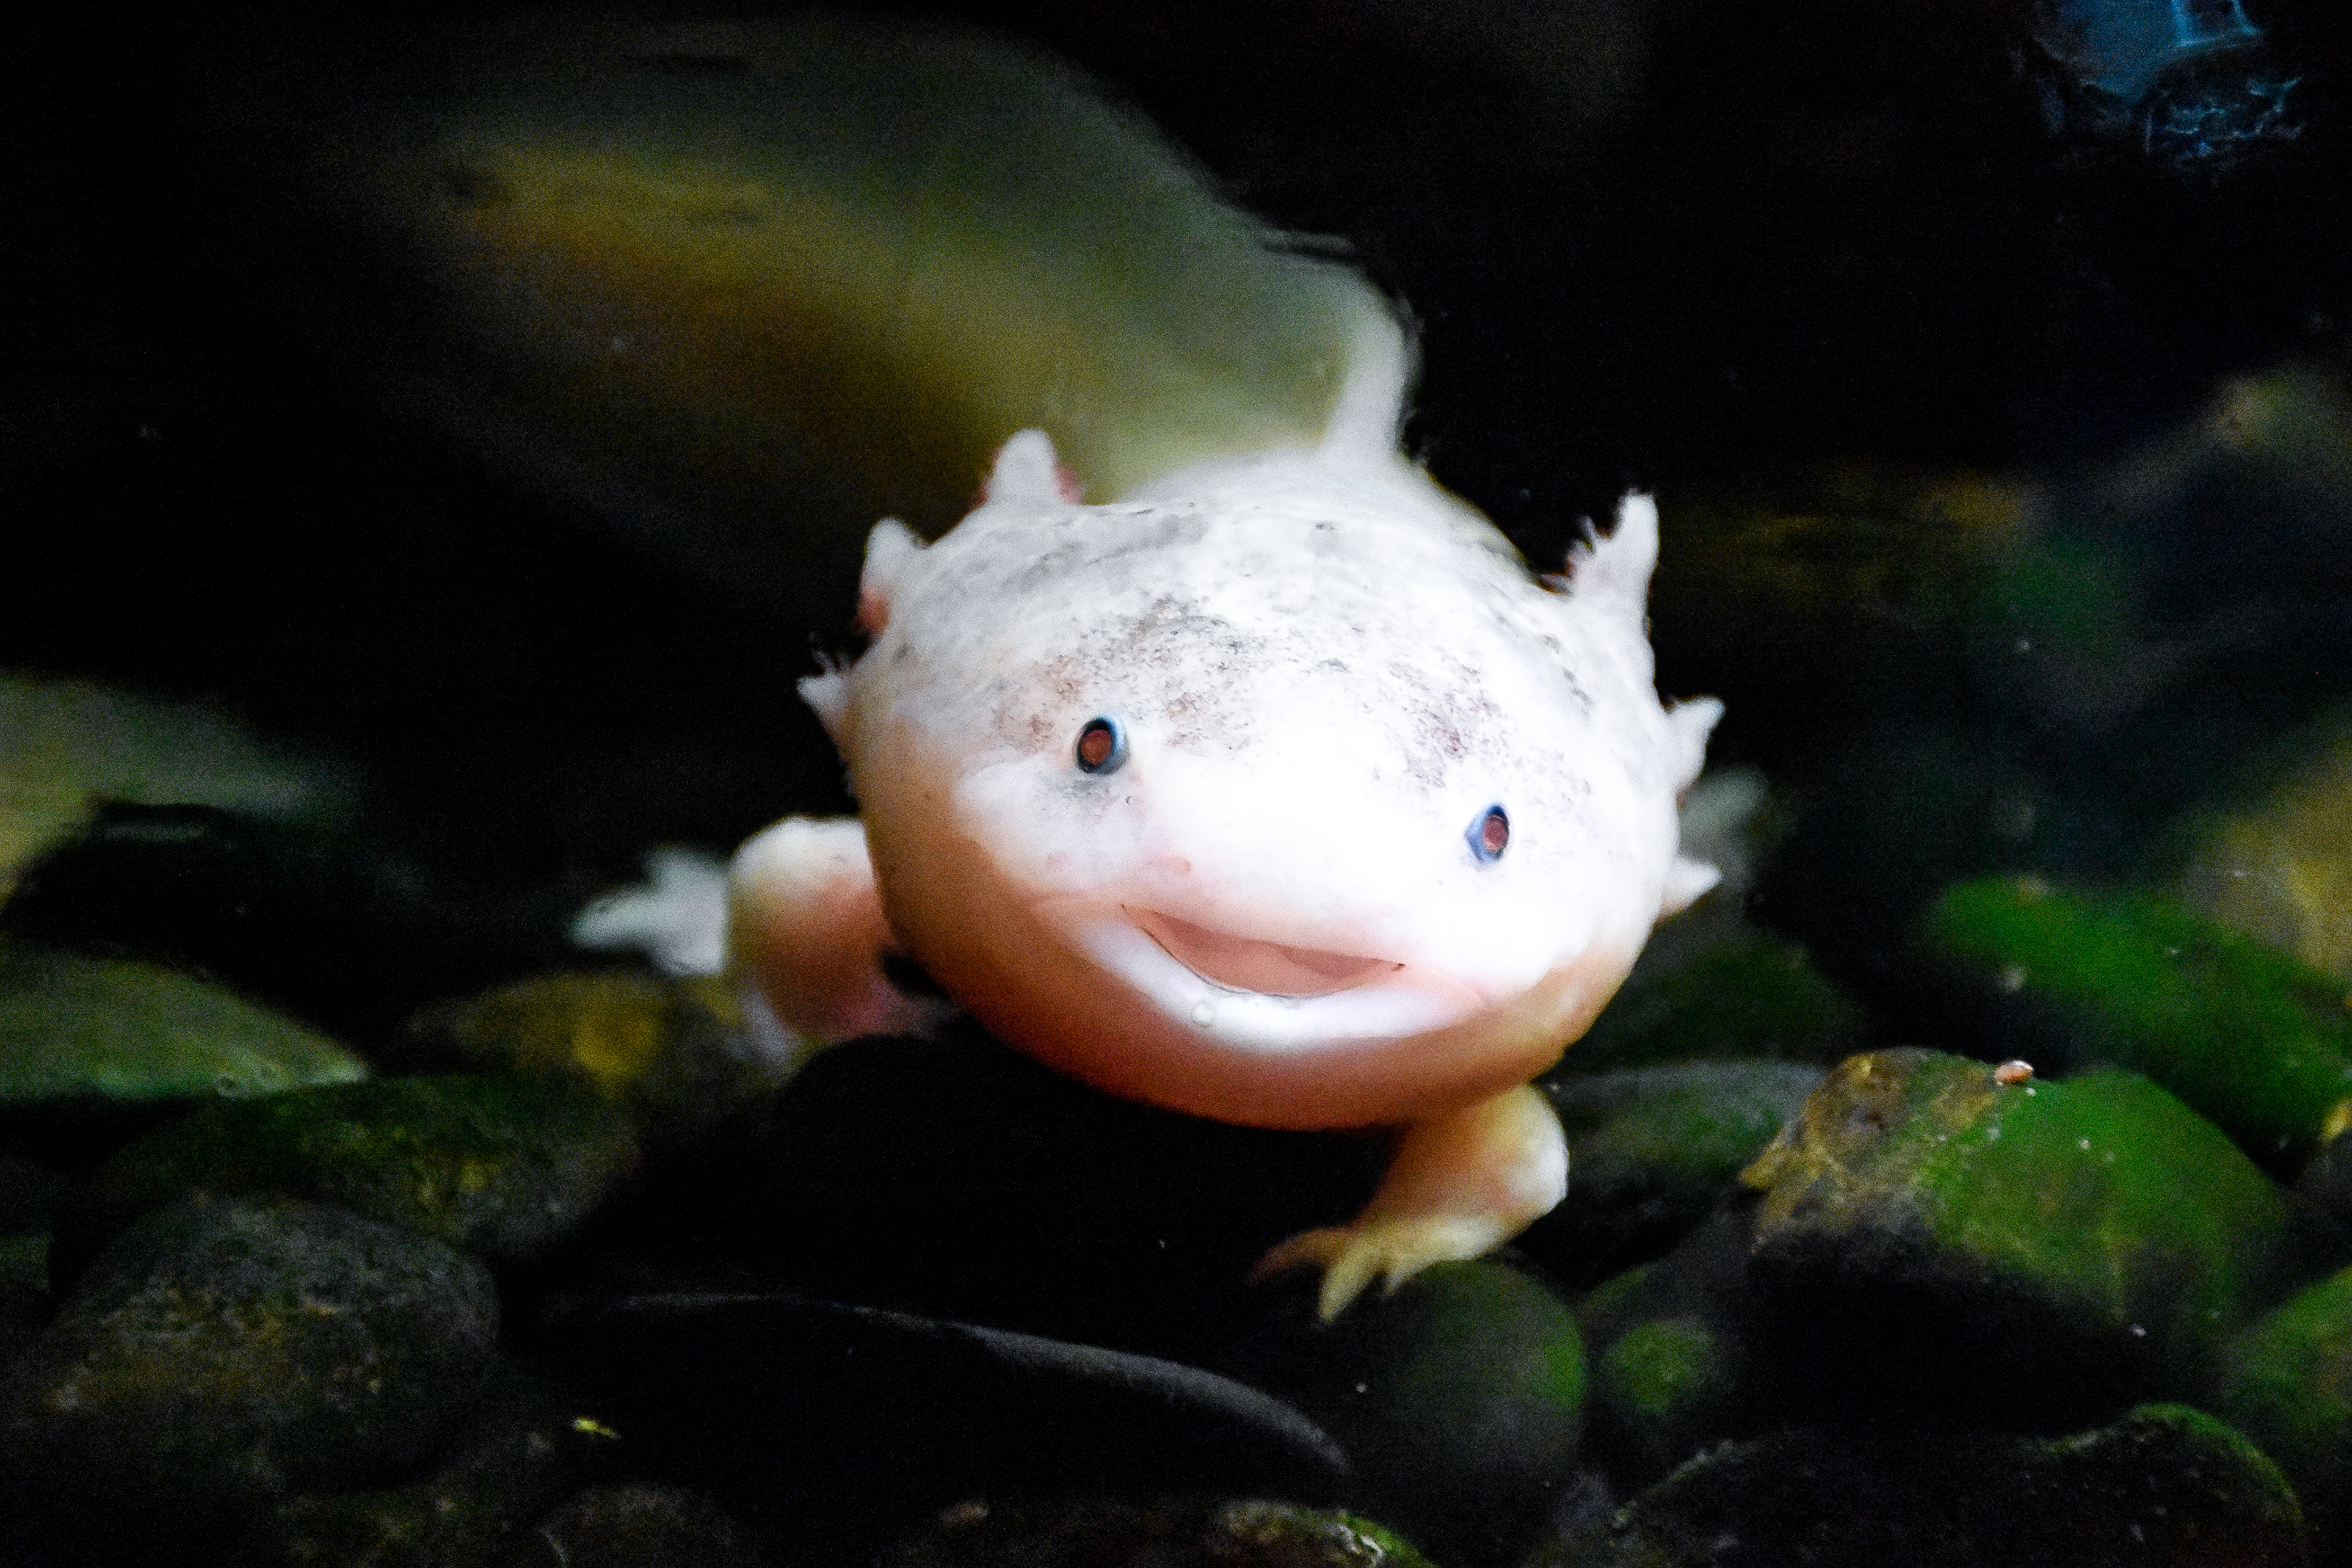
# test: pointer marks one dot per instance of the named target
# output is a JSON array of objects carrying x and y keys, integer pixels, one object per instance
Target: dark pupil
[
  {"x": 1495, "y": 833},
  {"x": 1095, "y": 743}
]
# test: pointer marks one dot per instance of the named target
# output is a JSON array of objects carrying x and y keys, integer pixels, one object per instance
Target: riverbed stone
[
  {"x": 502, "y": 1167},
  {"x": 1458, "y": 1398},
  {"x": 75, "y": 1028},
  {"x": 1924, "y": 1222},
  {"x": 336, "y": 924},
  {"x": 2249, "y": 1037},
  {"x": 513, "y": 1458},
  {"x": 2287, "y": 1380},
  {"x": 1669, "y": 1387},
  {"x": 1756, "y": 997},
  {"x": 2164, "y": 1485},
  {"x": 1651, "y": 1150},
  {"x": 220, "y": 1355},
  {"x": 1079, "y": 1532},
  {"x": 637, "y": 1524},
  {"x": 673, "y": 1052}
]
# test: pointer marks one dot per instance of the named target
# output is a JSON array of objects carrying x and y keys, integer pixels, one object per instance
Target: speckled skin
[{"x": 1272, "y": 906}]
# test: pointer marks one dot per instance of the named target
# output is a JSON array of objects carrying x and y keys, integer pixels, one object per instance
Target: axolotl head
[{"x": 1279, "y": 792}]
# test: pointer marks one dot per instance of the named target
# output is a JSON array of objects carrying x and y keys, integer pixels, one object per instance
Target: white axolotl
[{"x": 1278, "y": 792}]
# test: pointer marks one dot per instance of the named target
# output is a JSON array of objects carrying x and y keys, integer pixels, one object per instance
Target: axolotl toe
[{"x": 1278, "y": 792}]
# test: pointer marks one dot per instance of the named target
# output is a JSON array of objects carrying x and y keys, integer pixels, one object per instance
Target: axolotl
[{"x": 1278, "y": 791}]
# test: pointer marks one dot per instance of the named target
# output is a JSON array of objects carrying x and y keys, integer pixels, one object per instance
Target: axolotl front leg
[
  {"x": 805, "y": 929},
  {"x": 1460, "y": 1183}
]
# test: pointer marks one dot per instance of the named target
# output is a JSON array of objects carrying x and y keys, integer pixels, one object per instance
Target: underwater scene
[{"x": 1511, "y": 784}]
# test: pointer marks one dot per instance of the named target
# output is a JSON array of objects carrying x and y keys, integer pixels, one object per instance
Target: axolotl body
[{"x": 1278, "y": 792}]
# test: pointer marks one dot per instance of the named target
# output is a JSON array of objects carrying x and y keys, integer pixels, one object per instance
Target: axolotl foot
[{"x": 1461, "y": 1184}]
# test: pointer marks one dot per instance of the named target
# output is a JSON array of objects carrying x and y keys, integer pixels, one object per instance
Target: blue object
[
  {"x": 2192, "y": 81},
  {"x": 2123, "y": 47}
]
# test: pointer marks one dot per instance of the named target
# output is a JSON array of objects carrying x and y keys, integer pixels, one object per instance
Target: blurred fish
[{"x": 744, "y": 286}]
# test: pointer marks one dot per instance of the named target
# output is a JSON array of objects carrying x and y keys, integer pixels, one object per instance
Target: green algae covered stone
[
  {"x": 2039, "y": 1248},
  {"x": 502, "y": 1167},
  {"x": 1667, "y": 1387},
  {"x": 1651, "y": 1150},
  {"x": 2252, "y": 1038},
  {"x": 1756, "y": 998},
  {"x": 76, "y": 1028},
  {"x": 670, "y": 1051},
  {"x": 2164, "y": 1484},
  {"x": 2287, "y": 1380},
  {"x": 1675, "y": 1367},
  {"x": 219, "y": 1356},
  {"x": 1459, "y": 1399}
]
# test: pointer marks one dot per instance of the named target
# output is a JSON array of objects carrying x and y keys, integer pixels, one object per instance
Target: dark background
[{"x": 1703, "y": 245}]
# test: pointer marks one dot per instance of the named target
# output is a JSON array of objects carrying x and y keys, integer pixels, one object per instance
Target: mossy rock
[
  {"x": 1754, "y": 998},
  {"x": 2164, "y": 1484},
  {"x": 513, "y": 1456},
  {"x": 671, "y": 1051},
  {"x": 1674, "y": 1367},
  {"x": 1459, "y": 1399},
  {"x": 75, "y": 1028},
  {"x": 1651, "y": 1150},
  {"x": 2042, "y": 1248},
  {"x": 504, "y": 1168},
  {"x": 635, "y": 1523},
  {"x": 2253, "y": 1039},
  {"x": 1079, "y": 1532},
  {"x": 219, "y": 1356},
  {"x": 2287, "y": 1380},
  {"x": 1669, "y": 1387}
]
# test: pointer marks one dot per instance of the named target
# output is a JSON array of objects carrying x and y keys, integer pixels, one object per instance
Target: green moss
[
  {"x": 2250, "y": 1037},
  {"x": 2287, "y": 1380},
  {"x": 1651, "y": 1150},
  {"x": 502, "y": 1167},
  {"x": 73, "y": 1027},
  {"x": 1654, "y": 1367},
  {"x": 2094, "y": 1222},
  {"x": 1669, "y": 1387}
]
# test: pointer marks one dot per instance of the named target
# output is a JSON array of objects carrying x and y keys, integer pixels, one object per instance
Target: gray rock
[
  {"x": 504, "y": 1168},
  {"x": 219, "y": 1356},
  {"x": 637, "y": 1525},
  {"x": 514, "y": 1456},
  {"x": 2163, "y": 1487},
  {"x": 1076, "y": 1532}
]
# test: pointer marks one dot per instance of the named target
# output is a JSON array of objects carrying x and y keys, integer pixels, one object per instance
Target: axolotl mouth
[
  {"x": 1262, "y": 996},
  {"x": 1270, "y": 968}
]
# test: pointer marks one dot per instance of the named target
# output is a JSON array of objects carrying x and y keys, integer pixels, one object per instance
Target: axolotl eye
[
  {"x": 1489, "y": 835},
  {"x": 1102, "y": 746}
]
